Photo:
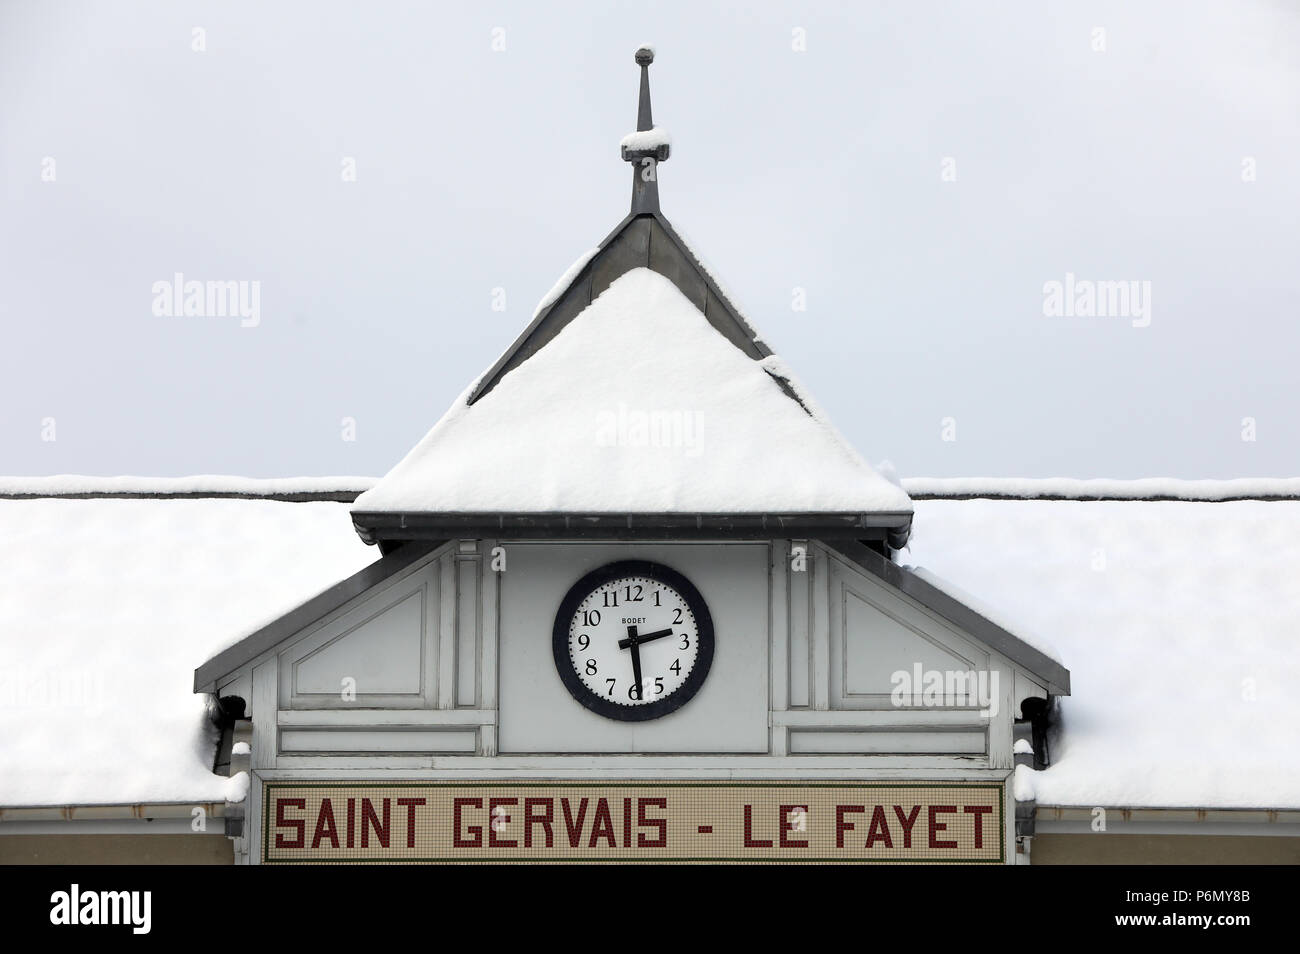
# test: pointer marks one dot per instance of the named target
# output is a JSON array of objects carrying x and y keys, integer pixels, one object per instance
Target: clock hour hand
[{"x": 633, "y": 639}]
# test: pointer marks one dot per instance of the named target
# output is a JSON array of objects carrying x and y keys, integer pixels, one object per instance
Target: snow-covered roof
[
  {"x": 1179, "y": 623},
  {"x": 106, "y": 607},
  {"x": 638, "y": 405}
]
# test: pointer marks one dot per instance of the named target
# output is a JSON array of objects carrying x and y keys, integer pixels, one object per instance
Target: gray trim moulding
[{"x": 1039, "y": 664}]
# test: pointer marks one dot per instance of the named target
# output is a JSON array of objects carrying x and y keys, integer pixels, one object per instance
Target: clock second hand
[{"x": 633, "y": 642}]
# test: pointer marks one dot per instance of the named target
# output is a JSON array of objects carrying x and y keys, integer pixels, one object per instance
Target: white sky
[{"x": 818, "y": 169}]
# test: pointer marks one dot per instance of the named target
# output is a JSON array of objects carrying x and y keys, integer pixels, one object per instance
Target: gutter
[{"x": 1071, "y": 820}]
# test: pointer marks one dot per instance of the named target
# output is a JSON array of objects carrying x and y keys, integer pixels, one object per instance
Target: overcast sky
[{"x": 921, "y": 171}]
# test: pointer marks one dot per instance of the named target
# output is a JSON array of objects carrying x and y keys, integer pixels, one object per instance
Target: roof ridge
[{"x": 1206, "y": 490}]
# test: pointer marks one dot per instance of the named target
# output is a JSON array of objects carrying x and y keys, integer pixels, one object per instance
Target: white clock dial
[
  {"x": 633, "y": 623},
  {"x": 633, "y": 640}
]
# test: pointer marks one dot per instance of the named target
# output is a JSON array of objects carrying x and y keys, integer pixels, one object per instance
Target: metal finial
[{"x": 645, "y": 153}]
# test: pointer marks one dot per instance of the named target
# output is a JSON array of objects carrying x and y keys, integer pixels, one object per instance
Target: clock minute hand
[
  {"x": 633, "y": 639},
  {"x": 633, "y": 642}
]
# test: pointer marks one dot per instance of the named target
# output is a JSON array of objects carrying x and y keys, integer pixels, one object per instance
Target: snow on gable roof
[
  {"x": 638, "y": 405},
  {"x": 106, "y": 607},
  {"x": 1178, "y": 620}
]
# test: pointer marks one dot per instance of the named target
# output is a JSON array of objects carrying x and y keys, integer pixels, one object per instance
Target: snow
[
  {"x": 1178, "y": 621},
  {"x": 1103, "y": 489},
  {"x": 237, "y": 787},
  {"x": 646, "y": 140},
  {"x": 1022, "y": 747},
  {"x": 560, "y": 287},
  {"x": 63, "y": 485},
  {"x": 996, "y": 616},
  {"x": 241, "y": 748},
  {"x": 1024, "y": 784},
  {"x": 106, "y": 608},
  {"x": 637, "y": 406}
]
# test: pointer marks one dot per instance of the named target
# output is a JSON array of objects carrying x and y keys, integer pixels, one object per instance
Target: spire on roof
[{"x": 648, "y": 146}]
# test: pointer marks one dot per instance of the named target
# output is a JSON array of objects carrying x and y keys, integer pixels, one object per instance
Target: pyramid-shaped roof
[{"x": 638, "y": 401}]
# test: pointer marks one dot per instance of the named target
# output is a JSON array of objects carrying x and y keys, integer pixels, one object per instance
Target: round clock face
[{"x": 633, "y": 640}]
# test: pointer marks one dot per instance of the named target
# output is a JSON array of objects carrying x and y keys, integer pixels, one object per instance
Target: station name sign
[{"x": 570, "y": 821}]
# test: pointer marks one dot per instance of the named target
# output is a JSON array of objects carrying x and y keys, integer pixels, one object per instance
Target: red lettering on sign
[
  {"x": 907, "y": 821},
  {"x": 352, "y": 815},
  {"x": 475, "y": 832},
  {"x": 661, "y": 841},
  {"x": 370, "y": 819},
  {"x": 574, "y": 827},
  {"x": 499, "y": 820},
  {"x": 532, "y": 818},
  {"x": 936, "y": 826},
  {"x": 842, "y": 824},
  {"x": 409, "y": 804},
  {"x": 325, "y": 827},
  {"x": 297, "y": 824},
  {"x": 602, "y": 825},
  {"x": 627, "y": 823},
  {"x": 879, "y": 830},
  {"x": 978, "y": 811},
  {"x": 750, "y": 840},
  {"x": 791, "y": 821}
]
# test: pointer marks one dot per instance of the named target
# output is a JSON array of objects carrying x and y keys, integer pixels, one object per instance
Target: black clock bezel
[{"x": 599, "y": 577}]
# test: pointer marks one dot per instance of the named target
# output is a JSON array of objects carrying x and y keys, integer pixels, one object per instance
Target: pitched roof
[
  {"x": 106, "y": 607},
  {"x": 637, "y": 389},
  {"x": 1177, "y": 620},
  {"x": 637, "y": 405}
]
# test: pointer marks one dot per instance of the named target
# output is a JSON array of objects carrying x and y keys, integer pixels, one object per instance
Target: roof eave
[
  {"x": 1055, "y": 677},
  {"x": 379, "y": 526},
  {"x": 322, "y": 604}
]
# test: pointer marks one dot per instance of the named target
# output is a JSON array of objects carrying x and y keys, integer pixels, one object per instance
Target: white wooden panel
[
  {"x": 361, "y": 718},
  {"x": 728, "y": 714},
  {"x": 488, "y": 613},
  {"x": 800, "y": 654},
  {"x": 876, "y": 645},
  {"x": 821, "y": 627},
  {"x": 386, "y": 640},
  {"x": 447, "y": 632},
  {"x": 299, "y": 741},
  {"x": 467, "y": 630},
  {"x": 877, "y": 742},
  {"x": 262, "y": 712},
  {"x": 382, "y": 654},
  {"x": 780, "y": 625}
]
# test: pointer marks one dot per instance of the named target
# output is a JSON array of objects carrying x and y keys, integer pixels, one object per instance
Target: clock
[{"x": 633, "y": 641}]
